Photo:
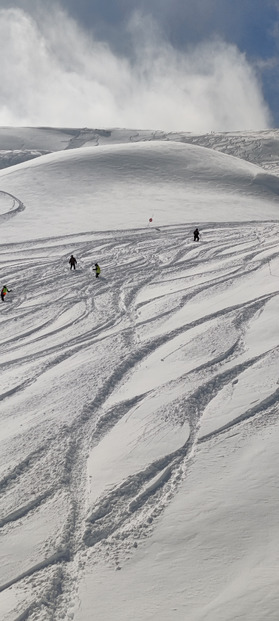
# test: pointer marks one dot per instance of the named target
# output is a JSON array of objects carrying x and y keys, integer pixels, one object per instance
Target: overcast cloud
[{"x": 55, "y": 71}]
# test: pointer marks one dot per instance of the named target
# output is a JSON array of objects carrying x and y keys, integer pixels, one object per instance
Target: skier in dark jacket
[
  {"x": 196, "y": 235},
  {"x": 97, "y": 269},
  {"x": 73, "y": 261},
  {"x": 4, "y": 292}
]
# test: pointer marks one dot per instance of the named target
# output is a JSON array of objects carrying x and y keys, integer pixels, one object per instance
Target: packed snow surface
[{"x": 139, "y": 411}]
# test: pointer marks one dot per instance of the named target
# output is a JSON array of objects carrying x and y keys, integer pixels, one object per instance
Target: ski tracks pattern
[{"x": 77, "y": 362}]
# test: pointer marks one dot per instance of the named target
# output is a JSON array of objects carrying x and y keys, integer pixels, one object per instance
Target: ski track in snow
[
  {"x": 65, "y": 328},
  {"x": 12, "y": 206}
]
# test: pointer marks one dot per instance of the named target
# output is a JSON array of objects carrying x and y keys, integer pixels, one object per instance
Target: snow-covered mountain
[
  {"x": 23, "y": 143},
  {"x": 139, "y": 411}
]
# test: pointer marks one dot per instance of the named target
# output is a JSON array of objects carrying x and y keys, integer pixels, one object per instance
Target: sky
[{"x": 173, "y": 65}]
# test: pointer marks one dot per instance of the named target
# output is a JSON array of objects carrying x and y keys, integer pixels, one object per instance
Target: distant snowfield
[{"x": 139, "y": 412}]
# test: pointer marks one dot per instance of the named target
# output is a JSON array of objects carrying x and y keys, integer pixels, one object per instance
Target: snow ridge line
[
  {"x": 261, "y": 407},
  {"x": 141, "y": 498},
  {"x": 196, "y": 403},
  {"x": 48, "y": 600},
  {"x": 24, "y": 510},
  {"x": 111, "y": 417},
  {"x": 16, "y": 472},
  {"x": 15, "y": 390},
  {"x": 58, "y": 557},
  {"x": 24, "y": 615},
  {"x": 254, "y": 303},
  {"x": 115, "y": 509}
]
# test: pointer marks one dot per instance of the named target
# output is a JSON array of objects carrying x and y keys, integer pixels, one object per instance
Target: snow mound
[{"x": 172, "y": 182}]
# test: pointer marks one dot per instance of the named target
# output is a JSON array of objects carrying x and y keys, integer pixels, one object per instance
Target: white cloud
[{"x": 52, "y": 73}]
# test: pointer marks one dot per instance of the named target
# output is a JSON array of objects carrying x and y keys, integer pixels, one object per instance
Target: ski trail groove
[{"x": 90, "y": 336}]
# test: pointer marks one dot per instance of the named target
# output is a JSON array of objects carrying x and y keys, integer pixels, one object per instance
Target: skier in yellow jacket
[{"x": 97, "y": 269}]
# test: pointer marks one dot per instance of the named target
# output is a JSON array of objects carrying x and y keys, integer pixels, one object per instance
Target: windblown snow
[{"x": 139, "y": 411}]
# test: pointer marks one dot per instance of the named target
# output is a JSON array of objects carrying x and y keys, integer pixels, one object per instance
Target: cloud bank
[{"x": 54, "y": 73}]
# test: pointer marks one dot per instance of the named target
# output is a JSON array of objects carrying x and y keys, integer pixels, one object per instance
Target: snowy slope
[
  {"x": 139, "y": 412},
  {"x": 168, "y": 181}
]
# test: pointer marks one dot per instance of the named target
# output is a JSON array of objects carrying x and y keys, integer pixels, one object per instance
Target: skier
[
  {"x": 97, "y": 269},
  {"x": 4, "y": 292},
  {"x": 73, "y": 261},
  {"x": 196, "y": 235}
]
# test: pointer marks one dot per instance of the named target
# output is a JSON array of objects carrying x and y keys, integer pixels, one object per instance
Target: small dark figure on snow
[
  {"x": 97, "y": 269},
  {"x": 73, "y": 261},
  {"x": 4, "y": 292},
  {"x": 196, "y": 235}
]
